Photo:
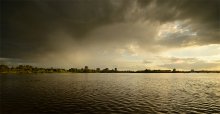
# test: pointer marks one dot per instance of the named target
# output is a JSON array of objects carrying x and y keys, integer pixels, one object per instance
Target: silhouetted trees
[
  {"x": 153, "y": 71},
  {"x": 31, "y": 69},
  {"x": 4, "y": 68}
]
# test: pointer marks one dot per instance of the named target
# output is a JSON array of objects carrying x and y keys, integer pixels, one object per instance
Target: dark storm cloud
[
  {"x": 198, "y": 10},
  {"x": 205, "y": 20},
  {"x": 26, "y": 24},
  {"x": 203, "y": 16},
  {"x": 34, "y": 28}
]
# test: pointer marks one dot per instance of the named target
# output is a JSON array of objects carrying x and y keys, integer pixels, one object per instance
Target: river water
[{"x": 110, "y": 93}]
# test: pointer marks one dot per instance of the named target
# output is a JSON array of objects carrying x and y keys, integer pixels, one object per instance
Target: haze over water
[
  {"x": 110, "y": 93},
  {"x": 123, "y": 34},
  {"x": 134, "y": 35}
]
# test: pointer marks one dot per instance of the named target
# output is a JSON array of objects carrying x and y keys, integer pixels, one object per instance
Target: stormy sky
[{"x": 127, "y": 34}]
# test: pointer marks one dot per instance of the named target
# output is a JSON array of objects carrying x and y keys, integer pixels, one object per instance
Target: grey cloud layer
[{"x": 36, "y": 28}]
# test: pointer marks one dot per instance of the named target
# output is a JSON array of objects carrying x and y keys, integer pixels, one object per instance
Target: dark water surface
[{"x": 110, "y": 93}]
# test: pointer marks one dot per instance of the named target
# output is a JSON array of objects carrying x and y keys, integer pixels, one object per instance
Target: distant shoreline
[{"x": 27, "y": 69}]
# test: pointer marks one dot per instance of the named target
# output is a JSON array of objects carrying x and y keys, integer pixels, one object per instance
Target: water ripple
[{"x": 110, "y": 93}]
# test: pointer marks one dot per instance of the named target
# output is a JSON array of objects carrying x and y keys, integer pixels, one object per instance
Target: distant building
[
  {"x": 116, "y": 69},
  {"x": 73, "y": 70},
  {"x": 86, "y": 68},
  {"x": 106, "y": 69},
  {"x": 174, "y": 70},
  {"x": 97, "y": 69}
]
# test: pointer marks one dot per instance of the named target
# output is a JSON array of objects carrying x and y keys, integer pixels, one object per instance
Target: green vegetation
[{"x": 31, "y": 69}]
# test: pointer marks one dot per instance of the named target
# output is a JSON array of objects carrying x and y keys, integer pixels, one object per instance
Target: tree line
[{"x": 31, "y": 69}]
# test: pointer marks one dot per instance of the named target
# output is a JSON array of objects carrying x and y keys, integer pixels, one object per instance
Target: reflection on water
[{"x": 110, "y": 93}]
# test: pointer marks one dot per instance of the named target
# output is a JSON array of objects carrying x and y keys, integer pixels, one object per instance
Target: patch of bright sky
[
  {"x": 177, "y": 27},
  {"x": 130, "y": 52},
  {"x": 208, "y": 52}
]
